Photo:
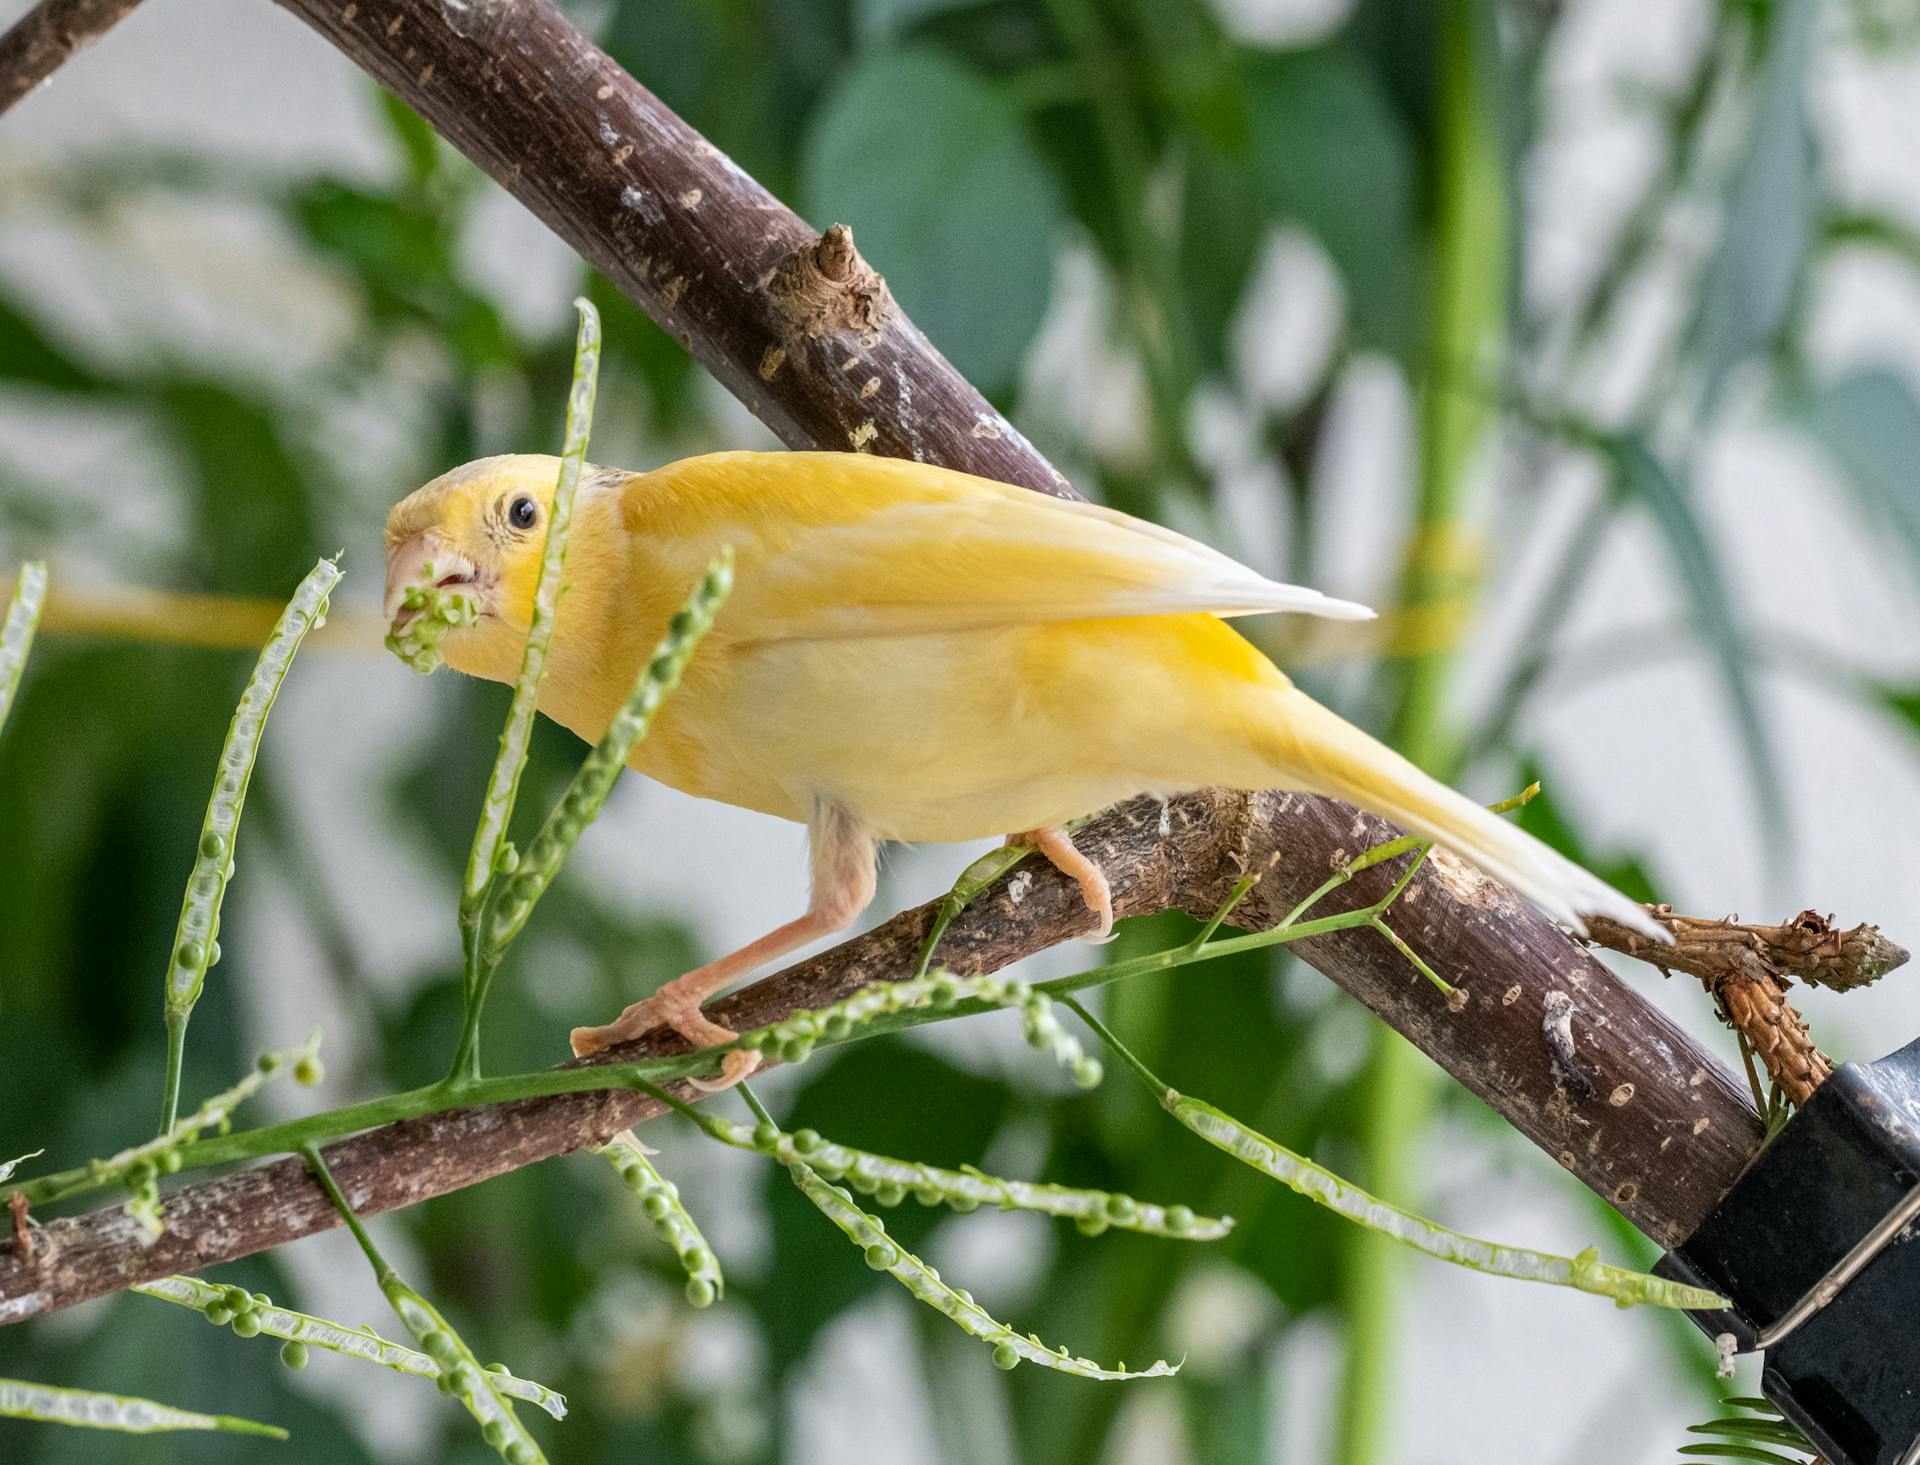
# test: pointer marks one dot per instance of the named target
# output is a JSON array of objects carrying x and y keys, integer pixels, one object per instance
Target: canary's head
[{"x": 463, "y": 557}]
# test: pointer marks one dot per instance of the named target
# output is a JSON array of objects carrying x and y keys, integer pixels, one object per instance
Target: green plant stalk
[
  {"x": 462, "y": 1374},
  {"x": 891, "y": 1181},
  {"x": 1469, "y": 251},
  {"x": 295, "y": 1135},
  {"x": 503, "y": 783},
  {"x": 519, "y": 888},
  {"x": 121, "y": 1413},
  {"x": 1585, "y": 1272},
  {"x": 29, "y": 598},
  {"x": 318, "y": 1332},
  {"x": 196, "y": 940},
  {"x": 671, "y": 1221}
]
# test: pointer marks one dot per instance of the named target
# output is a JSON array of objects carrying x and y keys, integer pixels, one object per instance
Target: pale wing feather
[{"x": 839, "y": 546}]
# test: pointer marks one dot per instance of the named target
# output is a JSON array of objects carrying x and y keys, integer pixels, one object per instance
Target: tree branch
[
  {"x": 1665, "y": 1129},
  {"x": 803, "y": 332},
  {"x": 48, "y": 36}
]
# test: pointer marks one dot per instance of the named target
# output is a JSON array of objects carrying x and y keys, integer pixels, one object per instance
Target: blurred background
[{"x": 1583, "y": 338}]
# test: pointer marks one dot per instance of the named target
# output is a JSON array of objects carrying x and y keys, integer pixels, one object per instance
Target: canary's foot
[
  {"x": 1057, "y": 845},
  {"x": 677, "y": 1006}
]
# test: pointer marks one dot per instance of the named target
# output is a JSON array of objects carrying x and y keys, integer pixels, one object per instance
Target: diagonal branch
[
  {"x": 1665, "y": 1130},
  {"x": 50, "y": 35}
]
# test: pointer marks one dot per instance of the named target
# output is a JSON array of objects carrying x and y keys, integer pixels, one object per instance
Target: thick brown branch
[
  {"x": 1661, "y": 1132},
  {"x": 48, "y": 36}
]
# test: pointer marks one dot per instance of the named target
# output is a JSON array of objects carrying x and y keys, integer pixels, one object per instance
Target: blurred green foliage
[{"x": 972, "y": 144}]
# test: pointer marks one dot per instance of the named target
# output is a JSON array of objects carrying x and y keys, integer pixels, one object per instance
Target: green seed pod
[
  {"x": 293, "y": 1353},
  {"x": 754, "y": 1041},
  {"x": 837, "y": 1027},
  {"x": 213, "y": 953},
  {"x": 247, "y": 1325},
  {"x": 865, "y": 1184},
  {"x": 268, "y": 1063},
  {"x": 508, "y": 860},
  {"x": 239, "y": 1299},
  {"x": 699, "y": 1292},
  {"x": 681, "y": 624},
  {"x": 962, "y": 1204},
  {"x": 1005, "y": 1356},
  {"x": 501, "y": 1369},
  {"x": 944, "y": 993},
  {"x": 881, "y": 1255},
  {"x": 928, "y": 1195},
  {"x": 140, "y": 1175},
  {"x": 461, "y": 1378},
  {"x": 765, "y": 1135}
]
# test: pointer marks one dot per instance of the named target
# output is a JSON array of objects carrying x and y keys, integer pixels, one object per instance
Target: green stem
[
  {"x": 295, "y": 1135},
  {"x": 1469, "y": 250},
  {"x": 318, "y": 1165},
  {"x": 176, "y": 1055}
]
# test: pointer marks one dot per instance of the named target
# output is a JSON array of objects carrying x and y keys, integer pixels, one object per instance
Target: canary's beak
[{"x": 424, "y": 560}]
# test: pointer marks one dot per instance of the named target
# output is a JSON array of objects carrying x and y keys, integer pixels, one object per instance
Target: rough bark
[
  {"x": 48, "y": 36},
  {"x": 1662, "y": 1131}
]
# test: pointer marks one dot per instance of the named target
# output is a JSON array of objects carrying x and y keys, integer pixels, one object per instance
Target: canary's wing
[{"x": 842, "y": 545}]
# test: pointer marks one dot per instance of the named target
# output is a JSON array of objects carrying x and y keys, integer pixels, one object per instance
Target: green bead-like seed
[
  {"x": 928, "y": 1195},
  {"x": 191, "y": 954},
  {"x": 239, "y": 1299},
  {"x": 656, "y": 1205},
  {"x": 865, "y": 1184},
  {"x": 293, "y": 1353},
  {"x": 461, "y": 1378},
  {"x": 795, "y": 1050},
  {"x": 890, "y": 1193},
  {"x": 213, "y": 953},
  {"x": 765, "y": 1135},
  {"x": 520, "y": 1453},
  {"x": 501, "y": 1369},
  {"x": 1087, "y": 1072},
  {"x": 169, "y": 1161},
  {"x": 219, "y": 1314},
  {"x": 682, "y": 623},
  {"x": 1005, "y": 1355},
  {"x": 268, "y": 1063},
  {"x": 247, "y": 1325},
  {"x": 212, "y": 846},
  {"x": 963, "y": 1204},
  {"x": 1090, "y": 1225},
  {"x": 439, "y": 1345},
  {"x": 700, "y": 1292},
  {"x": 308, "y": 1072},
  {"x": 944, "y": 994},
  {"x": 837, "y": 1027},
  {"x": 495, "y": 1433},
  {"x": 140, "y": 1174},
  {"x": 806, "y": 1141},
  {"x": 880, "y": 1256},
  {"x": 754, "y": 1041},
  {"x": 1179, "y": 1219}
]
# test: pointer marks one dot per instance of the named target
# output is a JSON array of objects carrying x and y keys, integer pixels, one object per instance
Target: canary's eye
[{"x": 521, "y": 513}]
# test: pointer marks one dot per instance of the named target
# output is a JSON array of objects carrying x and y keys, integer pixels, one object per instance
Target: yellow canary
[{"x": 911, "y": 653}]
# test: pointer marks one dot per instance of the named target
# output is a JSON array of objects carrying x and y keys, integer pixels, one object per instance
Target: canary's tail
[{"x": 1314, "y": 749}]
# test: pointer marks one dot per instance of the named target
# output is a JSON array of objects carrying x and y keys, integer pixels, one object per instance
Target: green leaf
[
  {"x": 928, "y": 165},
  {"x": 1749, "y": 287},
  {"x": 1869, "y": 423},
  {"x": 29, "y": 358},
  {"x": 1640, "y": 476},
  {"x": 1330, "y": 154}
]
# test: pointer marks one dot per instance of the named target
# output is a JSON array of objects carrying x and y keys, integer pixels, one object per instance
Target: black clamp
[{"x": 1818, "y": 1237}]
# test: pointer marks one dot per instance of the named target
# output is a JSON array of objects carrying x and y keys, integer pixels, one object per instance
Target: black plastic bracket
[{"x": 1815, "y": 1245}]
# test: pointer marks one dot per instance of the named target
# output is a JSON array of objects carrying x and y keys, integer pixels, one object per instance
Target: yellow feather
[{"x": 940, "y": 657}]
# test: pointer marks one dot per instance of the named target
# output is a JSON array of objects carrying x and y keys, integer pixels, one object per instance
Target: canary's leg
[
  {"x": 841, "y": 854},
  {"x": 1057, "y": 845}
]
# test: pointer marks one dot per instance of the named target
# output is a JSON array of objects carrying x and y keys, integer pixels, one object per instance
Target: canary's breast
[{"x": 960, "y": 736}]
